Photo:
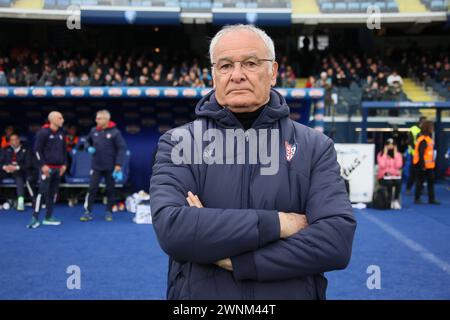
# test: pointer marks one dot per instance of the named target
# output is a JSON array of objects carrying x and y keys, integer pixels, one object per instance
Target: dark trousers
[
  {"x": 94, "y": 185},
  {"x": 48, "y": 188},
  {"x": 390, "y": 185},
  {"x": 20, "y": 179},
  {"x": 427, "y": 174}
]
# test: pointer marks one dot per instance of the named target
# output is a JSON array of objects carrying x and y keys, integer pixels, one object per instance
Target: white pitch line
[{"x": 411, "y": 244}]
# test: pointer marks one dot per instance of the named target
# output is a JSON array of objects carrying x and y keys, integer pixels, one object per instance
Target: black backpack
[{"x": 380, "y": 198}]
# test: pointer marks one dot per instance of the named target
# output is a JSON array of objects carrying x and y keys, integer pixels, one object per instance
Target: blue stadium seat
[
  {"x": 80, "y": 168},
  {"x": 381, "y": 5},
  {"x": 326, "y": 7},
  {"x": 172, "y": 3},
  {"x": 437, "y": 5},
  {"x": 5, "y": 3},
  {"x": 365, "y": 5},
  {"x": 392, "y": 6},
  {"x": 194, "y": 4},
  {"x": 340, "y": 7},
  {"x": 63, "y": 4},
  {"x": 90, "y": 2},
  {"x": 7, "y": 181},
  {"x": 205, "y": 4},
  {"x": 49, "y": 4},
  {"x": 354, "y": 7}
]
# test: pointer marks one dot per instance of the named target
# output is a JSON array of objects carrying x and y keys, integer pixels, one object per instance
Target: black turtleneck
[{"x": 248, "y": 118}]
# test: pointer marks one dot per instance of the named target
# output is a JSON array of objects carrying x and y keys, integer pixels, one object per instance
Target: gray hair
[
  {"x": 106, "y": 112},
  {"x": 238, "y": 27}
]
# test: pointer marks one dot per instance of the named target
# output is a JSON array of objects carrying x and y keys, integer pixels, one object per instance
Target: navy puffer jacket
[{"x": 240, "y": 215}]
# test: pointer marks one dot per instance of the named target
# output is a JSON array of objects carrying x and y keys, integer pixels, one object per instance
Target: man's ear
[
  {"x": 214, "y": 79},
  {"x": 273, "y": 81}
]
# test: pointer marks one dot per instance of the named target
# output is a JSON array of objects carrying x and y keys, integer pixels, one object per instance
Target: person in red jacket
[{"x": 390, "y": 163}]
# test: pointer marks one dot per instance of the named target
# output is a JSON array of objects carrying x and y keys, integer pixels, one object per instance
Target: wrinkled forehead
[{"x": 239, "y": 44}]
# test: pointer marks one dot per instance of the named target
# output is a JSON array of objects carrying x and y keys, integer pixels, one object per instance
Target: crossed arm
[
  {"x": 261, "y": 245},
  {"x": 290, "y": 223}
]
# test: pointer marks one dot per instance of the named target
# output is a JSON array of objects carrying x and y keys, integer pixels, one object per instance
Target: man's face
[
  {"x": 14, "y": 141},
  {"x": 57, "y": 120},
  {"x": 101, "y": 120},
  {"x": 241, "y": 90}
]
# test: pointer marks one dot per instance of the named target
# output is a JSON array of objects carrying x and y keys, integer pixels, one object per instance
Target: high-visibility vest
[
  {"x": 428, "y": 155},
  {"x": 414, "y": 130}
]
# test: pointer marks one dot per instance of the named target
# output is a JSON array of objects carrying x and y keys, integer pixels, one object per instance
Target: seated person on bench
[{"x": 15, "y": 163}]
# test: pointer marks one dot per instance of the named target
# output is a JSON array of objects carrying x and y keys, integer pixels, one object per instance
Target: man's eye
[
  {"x": 225, "y": 66},
  {"x": 250, "y": 64}
]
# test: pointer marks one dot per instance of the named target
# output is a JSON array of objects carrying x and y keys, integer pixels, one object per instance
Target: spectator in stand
[
  {"x": 9, "y": 130},
  {"x": 72, "y": 79},
  {"x": 288, "y": 79},
  {"x": 310, "y": 82},
  {"x": 341, "y": 79},
  {"x": 97, "y": 81},
  {"x": 48, "y": 76},
  {"x": 206, "y": 77},
  {"x": 444, "y": 75},
  {"x": 395, "y": 80},
  {"x": 3, "y": 81},
  {"x": 326, "y": 83},
  {"x": 84, "y": 80}
]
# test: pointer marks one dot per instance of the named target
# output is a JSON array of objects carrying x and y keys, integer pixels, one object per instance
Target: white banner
[{"x": 357, "y": 163}]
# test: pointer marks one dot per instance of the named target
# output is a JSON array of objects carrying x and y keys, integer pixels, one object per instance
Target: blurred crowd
[{"x": 378, "y": 78}]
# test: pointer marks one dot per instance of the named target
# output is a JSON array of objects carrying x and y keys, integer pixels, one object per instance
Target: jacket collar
[{"x": 275, "y": 110}]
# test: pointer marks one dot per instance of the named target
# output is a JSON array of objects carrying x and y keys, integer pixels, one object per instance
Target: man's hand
[
  {"x": 193, "y": 200},
  {"x": 225, "y": 264},
  {"x": 45, "y": 170},
  {"x": 62, "y": 171},
  {"x": 291, "y": 223},
  {"x": 9, "y": 168}
]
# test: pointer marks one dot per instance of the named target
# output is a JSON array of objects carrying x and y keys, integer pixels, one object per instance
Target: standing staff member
[
  {"x": 50, "y": 148},
  {"x": 424, "y": 162},
  {"x": 414, "y": 132},
  {"x": 107, "y": 146}
]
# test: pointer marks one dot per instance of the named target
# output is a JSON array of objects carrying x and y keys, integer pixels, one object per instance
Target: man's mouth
[{"x": 238, "y": 90}]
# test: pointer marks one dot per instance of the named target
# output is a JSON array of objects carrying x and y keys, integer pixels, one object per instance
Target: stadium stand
[
  {"x": 5, "y": 3},
  {"x": 185, "y": 5},
  {"x": 436, "y": 5},
  {"x": 358, "y": 6}
]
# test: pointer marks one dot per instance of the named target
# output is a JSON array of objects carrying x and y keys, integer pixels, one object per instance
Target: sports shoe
[
  {"x": 87, "y": 216},
  {"x": 51, "y": 222},
  {"x": 20, "y": 204},
  {"x": 397, "y": 205},
  {"x": 108, "y": 216},
  {"x": 34, "y": 223}
]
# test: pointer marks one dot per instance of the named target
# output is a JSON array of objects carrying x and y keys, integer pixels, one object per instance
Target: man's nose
[{"x": 237, "y": 75}]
